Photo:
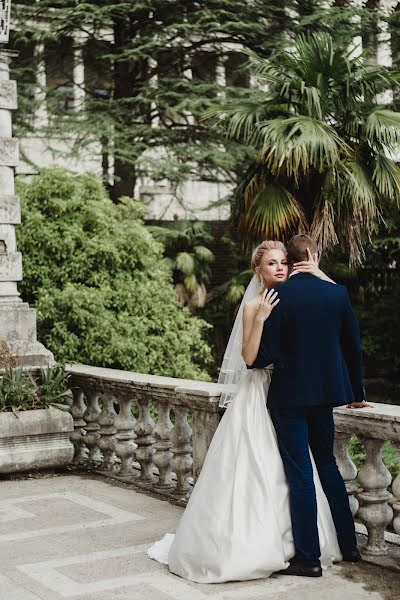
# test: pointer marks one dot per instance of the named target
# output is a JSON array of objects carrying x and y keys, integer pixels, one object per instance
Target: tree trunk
[
  {"x": 124, "y": 75},
  {"x": 125, "y": 180}
]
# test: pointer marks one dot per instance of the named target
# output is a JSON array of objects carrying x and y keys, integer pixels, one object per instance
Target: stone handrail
[{"x": 166, "y": 455}]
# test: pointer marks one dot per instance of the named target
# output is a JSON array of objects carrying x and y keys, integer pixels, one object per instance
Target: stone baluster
[
  {"x": 91, "y": 416},
  {"x": 78, "y": 435},
  {"x": 107, "y": 431},
  {"x": 182, "y": 460},
  {"x": 124, "y": 423},
  {"x": 374, "y": 510},
  {"x": 396, "y": 504},
  {"x": 143, "y": 428},
  {"x": 203, "y": 403},
  {"x": 347, "y": 468},
  {"x": 162, "y": 447}
]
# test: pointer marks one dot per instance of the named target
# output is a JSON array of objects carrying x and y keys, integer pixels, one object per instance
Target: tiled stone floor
[{"x": 77, "y": 537}]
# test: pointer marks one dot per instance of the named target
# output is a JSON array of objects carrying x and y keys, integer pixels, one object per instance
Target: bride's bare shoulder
[{"x": 252, "y": 305}]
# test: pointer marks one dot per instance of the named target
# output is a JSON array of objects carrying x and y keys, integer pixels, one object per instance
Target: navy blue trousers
[{"x": 297, "y": 429}]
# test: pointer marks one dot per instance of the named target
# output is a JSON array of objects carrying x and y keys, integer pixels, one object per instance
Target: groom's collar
[{"x": 302, "y": 275}]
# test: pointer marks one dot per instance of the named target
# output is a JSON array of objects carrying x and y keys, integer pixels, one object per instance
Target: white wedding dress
[{"x": 237, "y": 523}]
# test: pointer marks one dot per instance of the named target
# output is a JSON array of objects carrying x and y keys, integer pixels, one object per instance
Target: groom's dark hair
[{"x": 297, "y": 248}]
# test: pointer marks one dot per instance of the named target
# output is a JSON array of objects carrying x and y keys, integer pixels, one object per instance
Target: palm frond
[
  {"x": 357, "y": 208},
  {"x": 235, "y": 291},
  {"x": 383, "y": 127},
  {"x": 185, "y": 263},
  {"x": 165, "y": 235},
  {"x": 360, "y": 189},
  {"x": 294, "y": 146},
  {"x": 239, "y": 118},
  {"x": 191, "y": 283},
  {"x": 386, "y": 177},
  {"x": 274, "y": 212},
  {"x": 323, "y": 227},
  {"x": 203, "y": 254}
]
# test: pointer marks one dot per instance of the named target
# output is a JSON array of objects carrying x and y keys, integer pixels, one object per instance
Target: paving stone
[{"x": 76, "y": 537}]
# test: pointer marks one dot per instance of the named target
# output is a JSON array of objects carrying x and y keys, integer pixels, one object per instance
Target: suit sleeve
[
  {"x": 269, "y": 349},
  {"x": 351, "y": 347}
]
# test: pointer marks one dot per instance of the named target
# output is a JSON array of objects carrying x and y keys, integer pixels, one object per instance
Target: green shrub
[
  {"x": 20, "y": 390},
  {"x": 104, "y": 295}
]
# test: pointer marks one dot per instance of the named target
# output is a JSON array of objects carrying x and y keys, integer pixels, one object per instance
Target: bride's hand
[
  {"x": 310, "y": 266},
  {"x": 268, "y": 301}
]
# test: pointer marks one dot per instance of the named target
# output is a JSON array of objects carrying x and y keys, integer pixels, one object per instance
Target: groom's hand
[{"x": 363, "y": 404}]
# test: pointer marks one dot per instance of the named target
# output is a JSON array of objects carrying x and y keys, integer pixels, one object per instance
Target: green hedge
[{"x": 96, "y": 276}]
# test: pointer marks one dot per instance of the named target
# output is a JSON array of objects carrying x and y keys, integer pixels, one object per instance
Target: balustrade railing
[
  {"x": 151, "y": 430},
  {"x": 374, "y": 497},
  {"x": 155, "y": 431}
]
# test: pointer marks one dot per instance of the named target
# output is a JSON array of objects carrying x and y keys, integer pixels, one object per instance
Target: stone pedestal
[
  {"x": 18, "y": 343},
  {"x": 37, "y": 439}
]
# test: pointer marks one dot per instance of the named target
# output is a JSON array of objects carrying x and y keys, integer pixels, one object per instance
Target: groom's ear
[{"x": 314, "y": 257}]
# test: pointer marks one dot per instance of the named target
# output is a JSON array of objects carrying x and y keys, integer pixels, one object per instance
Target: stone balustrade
[
  {"x": 114, "y": 426},
  {"x": 155, "y": 431}
]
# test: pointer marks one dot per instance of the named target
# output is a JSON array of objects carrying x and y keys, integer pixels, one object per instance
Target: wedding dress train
[{"x": 237, "y": 523}]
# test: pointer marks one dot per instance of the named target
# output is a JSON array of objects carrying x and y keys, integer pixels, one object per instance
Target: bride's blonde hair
[{"x": 262, "y": 249}]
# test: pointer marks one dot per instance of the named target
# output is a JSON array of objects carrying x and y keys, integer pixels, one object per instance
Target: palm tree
[
  {"x": 188, "y": 258},
  {"x": 324, "y": 150}
]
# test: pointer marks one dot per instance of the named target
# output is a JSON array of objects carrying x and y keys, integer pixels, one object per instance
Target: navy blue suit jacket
[{"x": 313, "y": 338}]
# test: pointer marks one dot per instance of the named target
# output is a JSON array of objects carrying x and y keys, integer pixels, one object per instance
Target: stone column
[
  {"x": 220, "y": 73},
  {"x": 357, "y": 43},
  {"x": 384, "y": 49},
  {"x": 188, "y": 74},
  {"x": 78, "y": 74},
  {"x": 40, "y": 117},
  {"x": 18, "y": 341},
  {"x": 154, "y": 83}
]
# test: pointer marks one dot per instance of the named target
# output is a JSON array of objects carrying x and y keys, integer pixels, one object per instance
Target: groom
[{"x": 313, "y": 339}]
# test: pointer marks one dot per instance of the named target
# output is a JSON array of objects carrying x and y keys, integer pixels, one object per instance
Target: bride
[{"x": 237, "y": 523}]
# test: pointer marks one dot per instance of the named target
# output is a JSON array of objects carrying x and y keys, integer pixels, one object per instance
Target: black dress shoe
[
  {"x": 301, "y": 571},
  {"x": 353, "y": 556}
]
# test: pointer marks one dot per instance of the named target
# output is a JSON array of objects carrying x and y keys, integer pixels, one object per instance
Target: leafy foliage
[
  {"x": 321, "y": 147},
  {"x": 189, "y": 257},
  {"x": 20, "y": 390},
  {"x": 104, "y": 295},
  {"x": 53, "y": 385}
]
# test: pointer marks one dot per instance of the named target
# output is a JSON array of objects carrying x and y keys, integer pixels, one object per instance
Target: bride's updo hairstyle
[{"x": 262, "y": 249}]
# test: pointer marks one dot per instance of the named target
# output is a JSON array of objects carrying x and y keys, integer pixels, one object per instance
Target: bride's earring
[{"x": 261, "y": 283}]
